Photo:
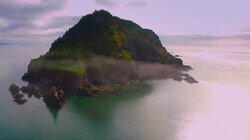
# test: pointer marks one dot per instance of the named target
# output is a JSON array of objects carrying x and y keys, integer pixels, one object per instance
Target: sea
[{"x": 216, "y": 108}]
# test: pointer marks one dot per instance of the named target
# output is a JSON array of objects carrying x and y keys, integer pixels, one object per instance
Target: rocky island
[{"x": 99, "y": 54}]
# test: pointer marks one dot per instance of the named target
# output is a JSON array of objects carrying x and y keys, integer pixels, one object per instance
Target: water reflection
[
  {"x": 53, "y": 112},
  {"x": 101, "y": 109},
  {"x": 225, "y": 71},
  {"x": 226, "y": 116}
]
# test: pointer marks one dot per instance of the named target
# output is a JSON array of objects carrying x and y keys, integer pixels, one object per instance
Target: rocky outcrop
[
  {"x": 18, "y": 98},
  {"x": 31, "y": 90},
  {"x": 54, "y": 98},
  {"x": 14, "y": 89},
  {"x": 189, "y": 79},
  {"x": 100, "y": 53}
]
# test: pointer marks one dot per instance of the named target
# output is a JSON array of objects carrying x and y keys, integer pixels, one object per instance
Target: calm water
[{"x": 216, "y": 108}]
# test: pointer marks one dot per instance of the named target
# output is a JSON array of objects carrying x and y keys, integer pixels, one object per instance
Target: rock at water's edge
[
  {"x": 14, "y": 89},
  {"x": 19, "y": 99},
  {"x": 54, "y": 98},
  {"x": 31, "y": 90}
]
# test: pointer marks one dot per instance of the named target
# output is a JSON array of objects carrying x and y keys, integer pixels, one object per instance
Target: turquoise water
[{"x": 215, "y": 108}]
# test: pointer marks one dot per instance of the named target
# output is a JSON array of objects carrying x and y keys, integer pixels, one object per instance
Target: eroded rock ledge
[{"x": 105, "y": 75}]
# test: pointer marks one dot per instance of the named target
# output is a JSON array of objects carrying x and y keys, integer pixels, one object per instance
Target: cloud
[
  {"x": 245, "y": 29},
  {"x": 125, "y": 3},
  {"x": 206, "y": 40},
  {"x": 137, "y": 4},
  {"x": 62, "y": 21},
  {"x": 26, "y": 21},
  {"x": 11, "y": 10},
  {"x": 106, "y": 3},
  {"x": 3, "y": 23}
]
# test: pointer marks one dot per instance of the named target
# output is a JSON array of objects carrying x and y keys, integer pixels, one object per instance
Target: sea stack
[{"x": 98, "y": 53}]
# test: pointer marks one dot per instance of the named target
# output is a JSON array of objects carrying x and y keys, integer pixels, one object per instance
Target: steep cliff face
[{"x": 97, "y": 53}]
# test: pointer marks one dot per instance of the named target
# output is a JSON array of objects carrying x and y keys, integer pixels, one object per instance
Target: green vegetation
[
  {"x": 76, "y": 67},
  {"x": 101, "y": 34},
  {"x": 125, "y": 56},
  {"x": 158, "y": 48},
  {"x": 114, "y": 36},
  {"x": 64, "y": 59}
]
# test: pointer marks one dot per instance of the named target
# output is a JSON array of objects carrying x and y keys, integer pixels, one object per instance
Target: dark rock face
[
  {"x": 54, "y": 98},
  {"x": 103, "y": 70},
  {"x": 101, "y": 73}
]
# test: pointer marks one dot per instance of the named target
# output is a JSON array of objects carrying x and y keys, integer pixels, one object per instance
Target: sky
[{"x": 177, "y": 22}]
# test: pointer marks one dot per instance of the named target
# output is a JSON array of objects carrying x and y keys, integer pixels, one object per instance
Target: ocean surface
[{"x": 217, "y": 108}]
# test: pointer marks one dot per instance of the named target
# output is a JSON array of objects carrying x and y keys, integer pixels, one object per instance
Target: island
[{"x": 101, "y": 53}]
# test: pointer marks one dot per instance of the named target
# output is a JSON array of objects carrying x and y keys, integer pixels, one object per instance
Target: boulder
[
  {"x": 31, "y": 90},
  {"x": 190, "y": 79},
  {"x": 14, "y": 89},
  {"x": 54, "y": 98},
  {"x": 19, "y": 99}
]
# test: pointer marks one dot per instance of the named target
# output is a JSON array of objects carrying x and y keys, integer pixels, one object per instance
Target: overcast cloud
[
  {"x": 206, "y": 40},
  {"x": 26, "y": 23},
  {"x": 106, "y": 3},
  {"x": 137, "y": 4}
]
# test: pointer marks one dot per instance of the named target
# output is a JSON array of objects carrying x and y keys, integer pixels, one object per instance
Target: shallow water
[{"x": 215, "y": 108}]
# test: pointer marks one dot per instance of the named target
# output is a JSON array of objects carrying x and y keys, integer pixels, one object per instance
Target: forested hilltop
[{"x": 100, "y": 53}]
